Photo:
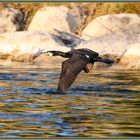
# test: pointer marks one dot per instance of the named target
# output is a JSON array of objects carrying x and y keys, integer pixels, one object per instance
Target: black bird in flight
[{"x": 78, "y": 60}]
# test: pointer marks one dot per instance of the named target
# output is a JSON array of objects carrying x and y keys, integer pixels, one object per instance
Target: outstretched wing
[{"x": 70, "y": 69}]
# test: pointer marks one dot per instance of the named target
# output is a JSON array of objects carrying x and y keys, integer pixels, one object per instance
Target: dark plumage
[{"x": 80, "y": 59}]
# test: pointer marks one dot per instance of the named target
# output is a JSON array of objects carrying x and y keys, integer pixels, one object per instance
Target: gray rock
[
  {"x": 11, "y": 20},
  {"x": 122, "y": 45},
  {"x": 109, "y": 24},
  {"x": 131, "y": 59},
  {"x": 21, "y": 46},
  {"x": 69, "y": 39},
  {"x": 56, "y": 17},
  {"x": 75, "y": 17}
]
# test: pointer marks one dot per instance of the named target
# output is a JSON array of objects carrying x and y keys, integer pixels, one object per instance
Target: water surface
[{"x": 102, "y": 104}]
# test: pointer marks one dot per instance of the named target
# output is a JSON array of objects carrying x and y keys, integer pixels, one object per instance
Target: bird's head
[
  {"x": 51, "y": 53},
  {"x": 55, "y": 53}
]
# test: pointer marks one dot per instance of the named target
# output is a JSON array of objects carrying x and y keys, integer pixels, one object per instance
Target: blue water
[{"x": 102, "y": 104}]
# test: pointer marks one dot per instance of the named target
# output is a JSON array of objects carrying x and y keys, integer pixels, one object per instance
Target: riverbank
[{"x": 62, "y": 27}]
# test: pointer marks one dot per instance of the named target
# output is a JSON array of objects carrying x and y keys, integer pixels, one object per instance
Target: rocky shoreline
[{"x": 115, "y": 36}]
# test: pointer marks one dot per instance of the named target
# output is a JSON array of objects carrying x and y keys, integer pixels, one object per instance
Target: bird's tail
[{"x": 105, "y": 60}]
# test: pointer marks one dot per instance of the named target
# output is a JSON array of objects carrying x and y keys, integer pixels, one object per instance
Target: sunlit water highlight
[{"x": 103, "y": 104}]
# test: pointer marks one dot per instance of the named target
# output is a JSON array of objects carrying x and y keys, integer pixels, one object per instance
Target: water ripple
[{"x": 102, "y": 104}]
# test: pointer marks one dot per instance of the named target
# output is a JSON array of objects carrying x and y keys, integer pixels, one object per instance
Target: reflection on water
[{"x": 103, "y": 104}]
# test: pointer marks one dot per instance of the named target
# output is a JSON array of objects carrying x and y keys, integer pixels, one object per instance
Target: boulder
[
  {"x": 56, "y": 17},
  {"x": 69, "y": 39},
  {"x": 21, "y": 46},
  {"x": 109, "y": 24},
  {"x": 11, "y": 20},
  {"x": 122, "y": 45},
  {"x": 131, "y": 59},
  {"x": 76, "y": 16},
  {"x": 114, "y": 45}
]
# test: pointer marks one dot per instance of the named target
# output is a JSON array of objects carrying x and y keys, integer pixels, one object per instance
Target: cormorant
[{"x": 79, "y": 59}]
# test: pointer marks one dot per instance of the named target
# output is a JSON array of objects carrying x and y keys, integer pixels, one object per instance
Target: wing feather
[
  {"x": 88, "y": 67},
  {"x": 70, "y": 69}
]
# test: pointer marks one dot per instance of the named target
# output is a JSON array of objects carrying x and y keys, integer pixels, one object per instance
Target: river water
[{"x": 105, "y": 103}]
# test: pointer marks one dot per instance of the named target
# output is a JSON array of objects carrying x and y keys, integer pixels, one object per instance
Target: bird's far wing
[
  {"x": 70, "y": 69},
  {"x": 88, "y": 67}
]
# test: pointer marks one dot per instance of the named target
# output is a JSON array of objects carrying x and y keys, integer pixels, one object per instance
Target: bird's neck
[{"x": 59, "y": 53}]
